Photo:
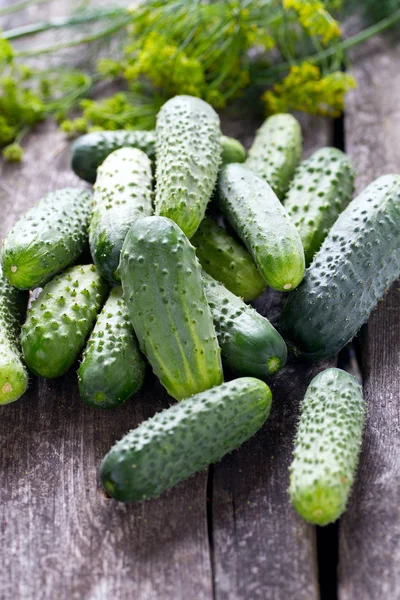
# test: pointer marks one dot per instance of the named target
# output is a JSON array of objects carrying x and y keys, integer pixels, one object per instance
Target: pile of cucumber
[{"x": 170, "y": 286}]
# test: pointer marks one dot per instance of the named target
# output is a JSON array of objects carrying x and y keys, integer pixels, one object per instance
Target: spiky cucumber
[
  {"x": 250, "y": 345},
  {"x": 47, "y": 239},
  {"x": 188, "y": 141},
  {"x": 232, "y": 151},
  {"x": 163, "y": 289},
  {"x": 185, "y": 438},
  {"x": 260, "y": 220},
  {"x": 327, "y": 446},
  {"x": 358, "y": 261},
  {"x": 321, "y": 189},
  {"x": 226, "y": 260},
  {"x": 61, "y": 319},
  {"x": 13, "y": 375},
  {"x": 276, "y": 152},
  {"x": 112, "y": 367},
  {"x": 122, "y": 194}
]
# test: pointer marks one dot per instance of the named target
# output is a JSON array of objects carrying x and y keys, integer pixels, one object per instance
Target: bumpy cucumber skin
[
  {"x": 61, "y": 319},
  {"x": 260, "y": 220},
  {"x": 89, "y": 151},
  {"x": 163, "y": 288},
  {"x": 47, "y": 239},
  {"x": 112, "y": 367},
  {"x": 321, "y": 189},
  {"x": 188, "y": 157},
  {"x": 357, "y": 263},
  {"x": 327, "y": 446},
  {"x": 13, "y": 375},
  {"x": 232, "y": 151},
  {"x": 227, "y": 261},
  {"x": 185, "y": 438},
  {"x": 250, "y": 345},
  {"x": 122, "y": 194},
  {"x": 276, "y": 152}
]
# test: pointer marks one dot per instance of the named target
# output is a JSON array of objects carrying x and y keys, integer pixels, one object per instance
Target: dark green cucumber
[
  {"x": 249, "y": 343},
  {"x": 13, "y": 375},
  {"x": 232, "y": 151},
  {"x": 122, "y": 194},
  {"x": 227, "y": 261},
  {"x": 357, "y": 263},
  {"x": 112, "y": 367},
  {"x": 163, "y": 289},
  {"x": 321, "y": 189},
  {"x": 89, "y": 151},
  {"x": 61, "y": 319},
  {"x": 188, "y": 140},
  {"x": 260, "y": 220},
  {"x": 47, "y": 239},
  {"x": 276, "y": 152},
  {"x": 327, "y": 446},
  {"x": 185, "y": 438}
]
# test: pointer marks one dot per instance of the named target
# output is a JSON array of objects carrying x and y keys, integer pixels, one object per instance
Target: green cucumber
[
  {"x": 327, "y": 446},
  {"x": 112, "y": 367},
  {"x": 276, "y": 152},
  {"x": 249, "y": 343},
  {"x": 47, "y": 239},
  {"x": 122, "y": 194},
  {"x": 61, "y": 319},
  {"x": 188, "y": 156},
  {"x": 163, "y": 289},
  {"x": 185, "y": 438},
  {"x": 13, "y": 375},
  {"x": 321, "y": 189},
  {"x": 259, "y": 219},
  {"x": 227, "y": 261},
  {"x": 232, "y": 151},
  {"x": 357, "y": 263}
]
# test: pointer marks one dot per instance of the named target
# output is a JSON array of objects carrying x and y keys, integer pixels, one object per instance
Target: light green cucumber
[
  {"x": 232, "y": 151},
  {"x": 327, "y": 446}
]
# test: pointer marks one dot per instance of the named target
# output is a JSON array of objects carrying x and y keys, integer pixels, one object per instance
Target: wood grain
[{"x": 370, "y": 530}]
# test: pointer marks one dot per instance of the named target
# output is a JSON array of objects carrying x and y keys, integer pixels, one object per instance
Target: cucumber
[
  {"x": 249, "y": 343},
  {"x": 122, "y": 194},
  {"x": 13, "y": 375},
  {"x": 188, "y": 156},
  {"x": 227, "y": 261},
  {"x": 327, "y": 446},
  {"x": 321, "y": 189},
  {"x": 47, "y": 239},
  {"x": 276, "y": 152},
  {"x": 185, "y": 438},
  {"x": 163, "y": 288},
  {"x": 358, "y": 261},
  {"x": 90, "y": 150},
  {"x": 61, "y": 319},
  {"x": 112, "y": 368},
  {"x": 260, "y": 220}
]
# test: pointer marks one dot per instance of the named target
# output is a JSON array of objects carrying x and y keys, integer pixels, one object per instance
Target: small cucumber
[
  {"x": 260, "y": 220},
  {"x": 112, "y": 367},
  {"x": 61, "y": 319},
  {"x": 321, "y": 189},
  {"x": 47, "y": 239},
  {"x": 163, "y": 289},
  {"x": 185, "y": 438},
  {"x": 188, "y": 141},
  {"x": 227, "y": 261},
  {"x": 122, "y": 194},
  {"x": 276, "y": 152},
  {"x": 232, "y": 151},
  {"x": 327, "y": 446},
  {"x": 13, "y": 375},
  {"x": 357, "y": 263},
  {"x": 249, "y": 344}
]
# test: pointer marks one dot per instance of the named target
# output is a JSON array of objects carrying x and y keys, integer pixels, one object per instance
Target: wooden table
[{"x": 228, "y": 533}]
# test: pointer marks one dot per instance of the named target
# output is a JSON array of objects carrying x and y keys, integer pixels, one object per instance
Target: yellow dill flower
[
  {"x": 306, "y": 89},
  {"x": 315, "y": 19},
  {"x": 259, "y": 37}
]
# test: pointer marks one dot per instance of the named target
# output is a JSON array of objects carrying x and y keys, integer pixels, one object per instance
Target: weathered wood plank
[{"x": 370, "y": 530}]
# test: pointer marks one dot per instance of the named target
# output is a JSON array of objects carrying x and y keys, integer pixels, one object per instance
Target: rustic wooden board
[{"x": 370, "y": 530}]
